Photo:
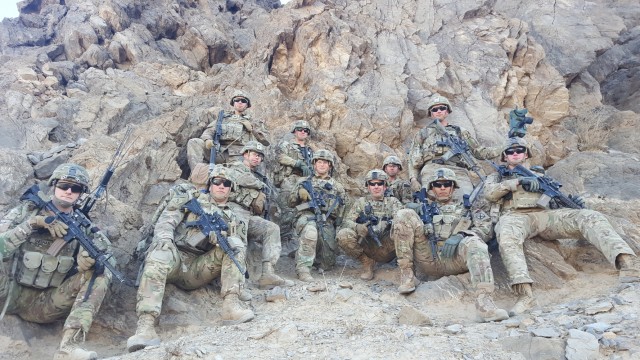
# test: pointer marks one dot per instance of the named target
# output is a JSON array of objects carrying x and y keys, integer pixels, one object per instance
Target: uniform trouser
[
  {"x": 462, "y": 175},
  {"x": 188, "y": 272},
  {"x": 264, "y": 232},
  {"x": 355, "y": 246},
  {"x": 48, "y": 305},
  {"x": 317, "y": 244},
  {"x": 287, "y": 213},
  {"x": 412, "y": 246},
  {"x": 197, "y": 153},
  {"x": 515, "y": 227}
]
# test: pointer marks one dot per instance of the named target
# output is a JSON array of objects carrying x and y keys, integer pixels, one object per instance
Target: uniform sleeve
[
  {"x": 244, "y": 178},
  {"x": 415, "y": 156},
  {"x": 341, "y": 210},
  {"x": 293, "y": 197},
  {"x": 14, "y": 230},
  {"x": 495, "y": 189},
  {"x": 212, "y": 119},
  {"x": 167, "y": 224},
  {"x": 260, "y": 132},
  {"x": 352, "y": 214},
  {"x": 479, "y": 151},
  {"x": 283, "y": 158}
]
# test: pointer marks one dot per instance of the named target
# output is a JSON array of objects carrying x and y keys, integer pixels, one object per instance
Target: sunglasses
[
  {"x": 303, "y": 129},
  {"x": 442, "y": 184},
  {"x": 218, "y": 181},
  {"x": 439, "y": 108},
  {"x": 241, "y": 100},
  {"x": 519, "y": 150},
  {"x": 74, "y": 188},
  {"x": 375, "y": 183}
]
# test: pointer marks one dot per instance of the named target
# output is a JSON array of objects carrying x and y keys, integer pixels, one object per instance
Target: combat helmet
[
  {"x": 253, "y": 146},
  {"x": 221, "y": 171},
  {"x": 376, "y": 174},
  {"x": 444, "y": 174},
  {"x": 439, "y": 100},
  {"x": 70, "y": 172},
  {"x": 514, "y": 142},
  {"x": 392, "y": 159},
  {"x": 300, "y": 124},
  {"x": 240, "y": 94},
  {"x": 324, "y": 155}
]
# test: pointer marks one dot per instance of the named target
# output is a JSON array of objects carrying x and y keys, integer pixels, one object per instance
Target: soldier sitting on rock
[
  {"x": 453, "y": 243},
  {"x": 183, "y": 255},
  {"x": 319, "y": 202},
  {"x": 365, "y": 233},
  {"x": 49, "y": 282},
  {"x": 522, "y": 217},
  {"x": 398, "y": 188},
  {"x": 238, "y": 128}
]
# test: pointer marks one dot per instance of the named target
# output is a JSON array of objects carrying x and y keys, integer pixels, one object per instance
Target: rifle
[
  {"x": 468, "y": 200},
  {"x": 549, "y": 188},
  {"x": 457, "y": 147},
  {"x": 518, "y": 121},
  {"x": 317, "y": 202},
  {"x": 213, "y": 223},
  {"x": 268, "y": 191},
  {"x": 307, "y": 155},
  {"x": 76, "y": 222},
  {"x": 216, "y": 141},
  {"x": 116, "y": 160},
  {"x": 367, "y": 216},
  {"x": 428, "y": 211}
]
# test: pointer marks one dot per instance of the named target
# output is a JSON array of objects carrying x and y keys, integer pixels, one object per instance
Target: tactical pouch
[
  {"x": 65, "y": 263},
  {"x": 444, "y": 225},
  {"x": 231, "y": 131},
  {"x": 28, "y": 267},
  {"x": 49, "y": 265}
]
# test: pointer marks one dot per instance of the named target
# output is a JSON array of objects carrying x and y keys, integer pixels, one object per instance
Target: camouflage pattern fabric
[
  {"x": 355, "y": 245},
  {"x": 401, "y": 190},
  {"x": 46, "y": 305},
  {"x": 170, "y": 258},
  {"x": 248, "y": 186},
  {"x": 521, "y": 219}
]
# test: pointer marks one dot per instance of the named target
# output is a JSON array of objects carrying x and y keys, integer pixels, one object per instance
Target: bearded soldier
[
  {"x": 51, "y": 279},
  {"x": 523, "y": 216},
  {"x": 183, "y": 255},
  {"x": 251, "y": 203},
  {"x": 238, "y": 128},
  {"x": 454, "y": 243},
  {"x": 398, "y": 188},
  {"x": 429, "y": 149},
  {"x": 365, "y": 233},
  {"x": 294, "y": 158},
  {"x": 319, "y": 201}
]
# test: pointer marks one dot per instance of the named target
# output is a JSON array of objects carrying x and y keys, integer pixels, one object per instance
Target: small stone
[
  {"x": 411, "y": 316},
  {"x": 317, "y": 287},
  {"x": 600, "y": 307},
  {"x": 609, "y": 335},
  {"x": 596, "y": 327},
  {"x": 546, "y": 332},
  {"x": 453, "y": 329},
  {"x": 346, "y": 285},
  {"x": 511, "y": 323},
  {"x": 344, "y": 294},
  {"x": 277, "y": 294},
  {"x": 581, "y": 346}
]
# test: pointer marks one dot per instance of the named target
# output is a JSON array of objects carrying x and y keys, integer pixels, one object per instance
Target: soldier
[
  {"x": 251, "y": 204},
  {"x": 319, "y": 202},
  {"x": 370, "y": 218},
  {"x": 46, "y": 282},
  {"x": 458, "y": 237},
  {"x": 238, "y": 128},
  {"x": 294, "y": 158},
  {"x": 182, "y": 255},
  {"x": 428, "y": 153},
  {"x": 521, "y": 218},
  {"x": 398, "y": 188}
]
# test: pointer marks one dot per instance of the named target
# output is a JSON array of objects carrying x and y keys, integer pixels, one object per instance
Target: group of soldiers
[{"x": 439, "y": 222}]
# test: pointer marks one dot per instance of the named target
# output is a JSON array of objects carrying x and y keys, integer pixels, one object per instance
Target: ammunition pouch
[{"x": 42, "y": 271}]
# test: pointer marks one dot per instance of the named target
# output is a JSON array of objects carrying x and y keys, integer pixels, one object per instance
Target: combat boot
[
  {"x": 70, "y": 348},
  {"x": 525, "y": 301},
  {"x": 269, "y": 279},
  {"x": 487, "y": 309},
  {"x": 629, "y": 268},
  {"x": 304, "y": 274},
  {"x": 145, "y": 334},
  {"x": 408, "y": 280},
  {"x": 368, "y": 266},
  {"x": 234, "y": 311}
]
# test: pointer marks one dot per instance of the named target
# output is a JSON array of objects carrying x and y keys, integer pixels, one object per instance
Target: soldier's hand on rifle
[
  {"x": 415, "y": 207},
  {"x": 85, "y": 262},
  {"x": 530, "y": 183},
  {"x": 450, "y": 245},
  {"x": 257, "y": 205},
  {"x": 306, "y": 171},
  {"x": 303, "y": 194},
  {"x": 415, "y": 185},
  {"x": 361, "y": 230},
  {"x": 208, "y": 144},
  {"x": 579, "y": 200},
  {"x": 247, "y": 125},
  {"x": 56, "y": 228}
]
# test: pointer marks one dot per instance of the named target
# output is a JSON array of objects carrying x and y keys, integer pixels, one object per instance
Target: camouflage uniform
[
  {"x": 312, "y": 251},
  {"x": 398, "y": 188}
]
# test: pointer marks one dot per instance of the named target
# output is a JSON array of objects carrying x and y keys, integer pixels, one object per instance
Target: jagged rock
[
  {"x": 581, "y": 345},
  {"x": 533, "y": 348},
  {"x": 411, "y": 316},
  {"x": 546, "y": 332},
  {"x": 44, "y": 168}
]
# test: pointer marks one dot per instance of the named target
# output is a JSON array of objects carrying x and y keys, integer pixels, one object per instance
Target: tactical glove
[
  {"x": 361, "y": 230},
  {"x": 415, "y": 185},
  {"x": 208, "y": 144},
  {"x": 579, "y": 200},
  {"x": 530, "y": 183},
  {"x": 415, "y": 207},
  {"x": 450, "y": 245},
  {"x": 56, "y": 228},
  {"x": 257, "y": 205},
  {"x": 303, "y": 194},
  {"x": 85, "y": 262},
  {"x": 306, "y": 171}
]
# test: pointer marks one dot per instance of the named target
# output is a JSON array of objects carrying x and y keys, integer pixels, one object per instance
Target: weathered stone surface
[
  {"x": 581, "y": 345},
  {"x": 533, "y": 348},
  {"x": 411, "y": 316}
]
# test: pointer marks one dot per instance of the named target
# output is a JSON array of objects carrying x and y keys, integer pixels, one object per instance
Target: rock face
[{"x": 360, "y": 71}]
